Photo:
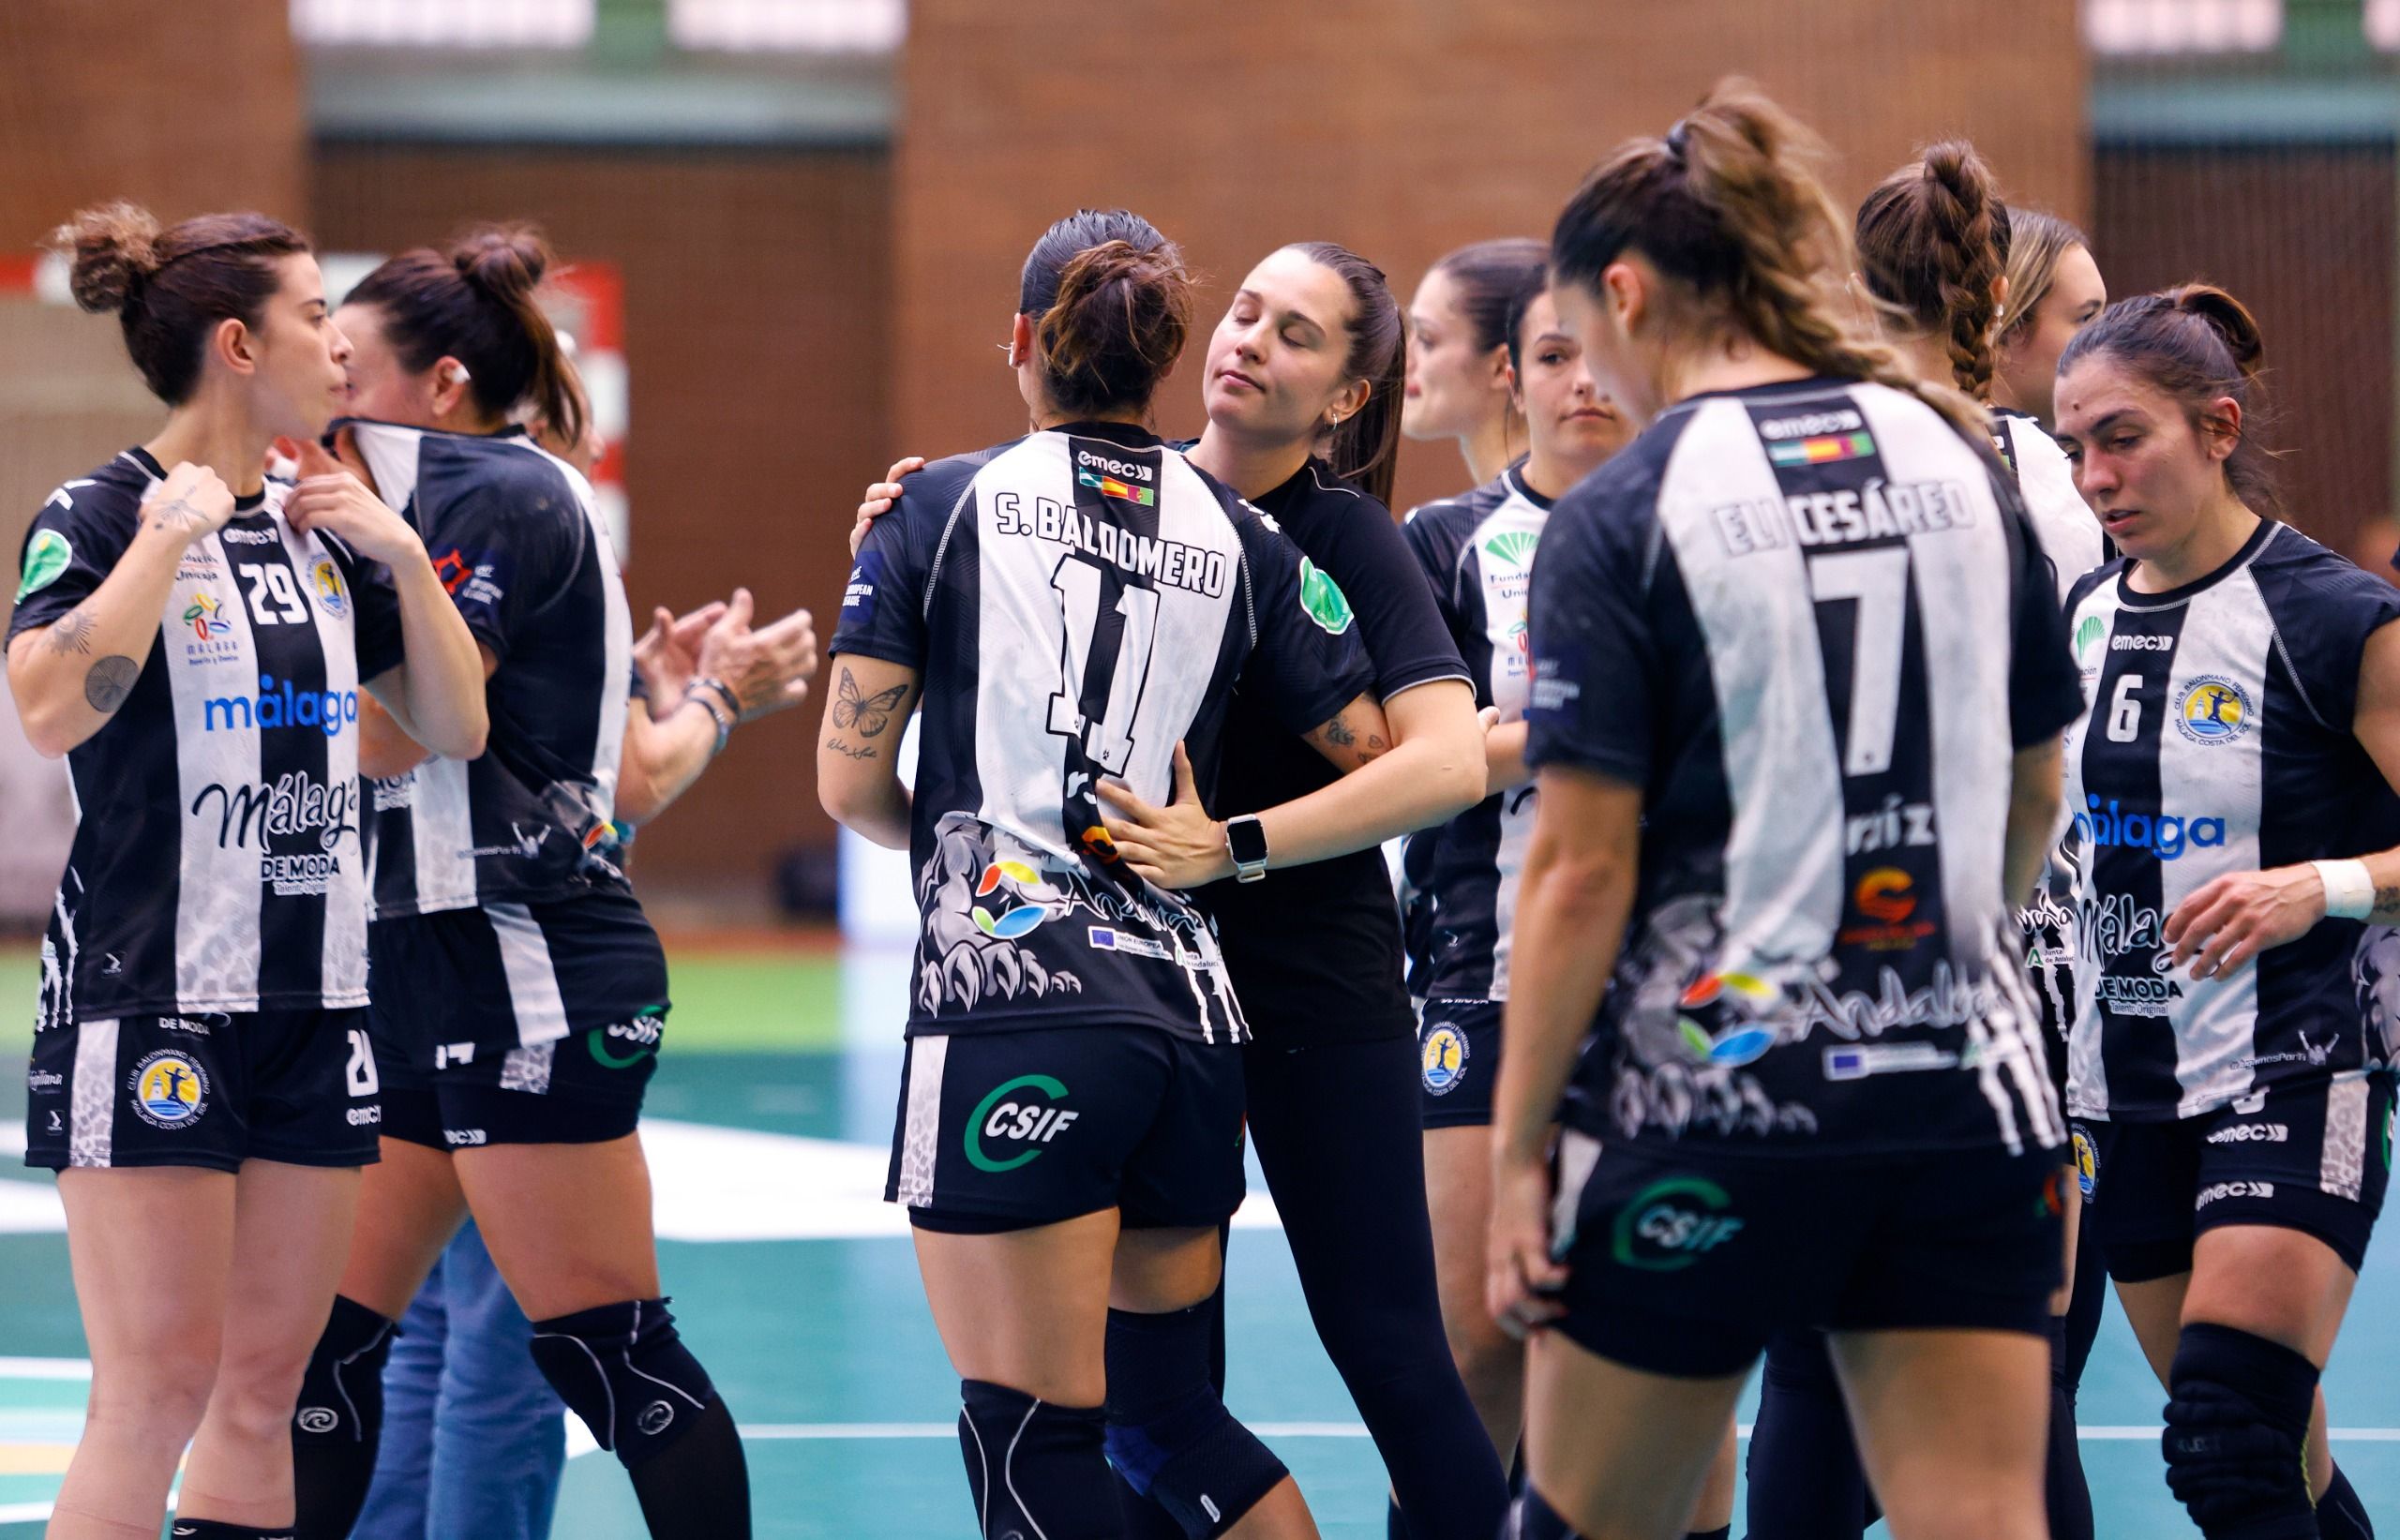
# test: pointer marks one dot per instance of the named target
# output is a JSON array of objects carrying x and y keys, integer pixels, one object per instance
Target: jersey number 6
[{"x": 1109, "y": 740}]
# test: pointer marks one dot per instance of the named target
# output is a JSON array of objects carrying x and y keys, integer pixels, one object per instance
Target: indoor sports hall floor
[{"x": 769, "y": 1116}]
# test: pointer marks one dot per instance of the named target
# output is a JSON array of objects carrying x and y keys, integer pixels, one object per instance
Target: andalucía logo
[{"x": 1018, "y": 1120}]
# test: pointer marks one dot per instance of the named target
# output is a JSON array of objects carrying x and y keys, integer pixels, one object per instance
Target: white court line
[{"x": 45, "y": 1368}]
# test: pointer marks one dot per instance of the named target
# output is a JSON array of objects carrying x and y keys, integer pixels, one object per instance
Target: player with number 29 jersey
[{"x": 1077, "y": 603}]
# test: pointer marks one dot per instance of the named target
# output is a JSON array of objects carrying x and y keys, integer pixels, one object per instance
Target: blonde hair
[
  {"x": 2036, "y": 242},
  {"x": 1729, "y": 206}
]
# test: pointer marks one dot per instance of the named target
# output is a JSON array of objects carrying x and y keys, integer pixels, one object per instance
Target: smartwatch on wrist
[{"x": 1246, "y": 842}]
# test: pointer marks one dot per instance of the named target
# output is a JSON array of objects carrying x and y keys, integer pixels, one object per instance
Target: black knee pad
[
  {"x": 2237, "y": 1435},
  {"x": 341, "y": 1394},
  {"x": 1035, "y": 1468},
  {"x": 625, "y": 1371},
  {"x": 1169, "y": 1435},
  {"x": 1531, "y": 1519}
]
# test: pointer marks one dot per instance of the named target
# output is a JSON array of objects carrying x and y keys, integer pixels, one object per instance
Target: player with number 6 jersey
[{"x": 2232, "y": 787}]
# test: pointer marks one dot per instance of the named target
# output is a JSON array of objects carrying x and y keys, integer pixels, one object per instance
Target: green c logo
[
  {"x": 643, "y": 1031},
  {"x": 1035, "y": 1124},
  {"x": 1656, "y": 1234}
]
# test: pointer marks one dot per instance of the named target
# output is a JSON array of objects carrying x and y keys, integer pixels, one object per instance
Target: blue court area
[{"x": 772, "y": 1106}]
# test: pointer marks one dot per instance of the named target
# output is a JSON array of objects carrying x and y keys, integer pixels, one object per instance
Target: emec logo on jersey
[
  {"x": 1671, "y": 1225},
  {"x": 1017, "y": 1119},
  {"x": 2214, "y": 709},
  {"x": 170, "y": 1089},
  {"x": 1323, "y": 599},
  {"x": 47, "y": 557},
  {"x": 1444, "y": 1054}
]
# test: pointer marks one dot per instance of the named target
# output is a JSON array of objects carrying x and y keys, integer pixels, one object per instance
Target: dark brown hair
[
  {"x": 2197, "y": 344},
  {"x": 1366, "y": 446},
  {"x": 1933, "y": 242},
  {"x": 171, "y": 287},
  {"x": 1111, "y": 306},
  {"x": 473, "y": 299},
  {"x": 1490, "y": 276},
  {"x": 1728, "y": 208}
]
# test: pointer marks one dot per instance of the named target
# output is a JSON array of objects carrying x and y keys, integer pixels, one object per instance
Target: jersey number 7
[
  {"x": 1108, "y": 741},
  {"x": 1878, "y": 581}
]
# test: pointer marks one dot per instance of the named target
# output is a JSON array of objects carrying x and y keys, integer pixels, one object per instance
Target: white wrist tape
[{"x": 2349, "y": 889}]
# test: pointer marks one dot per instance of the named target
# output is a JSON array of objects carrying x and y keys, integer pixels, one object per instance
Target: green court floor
[{"x": 772, "y": 1104}]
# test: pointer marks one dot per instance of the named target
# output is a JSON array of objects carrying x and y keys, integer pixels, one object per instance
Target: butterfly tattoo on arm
[{"x": 869, "y": 714}]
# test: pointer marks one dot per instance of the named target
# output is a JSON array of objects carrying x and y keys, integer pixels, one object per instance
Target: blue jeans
[{"x": 474, "y": 1437}]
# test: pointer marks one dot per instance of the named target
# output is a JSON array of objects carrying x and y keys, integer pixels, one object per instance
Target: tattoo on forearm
[
  {"x": 1338, "y": 733},
  {"x": 2387, "y": 901},
  {"x": 180, "y": 515},
  {"x": 869, "y": 714},
  {"x": 108, "y": 683},
  {"x": 73, "y": 633},
  {"x": 854, "y": 750},
  {"x": 1375, "y": 745}
]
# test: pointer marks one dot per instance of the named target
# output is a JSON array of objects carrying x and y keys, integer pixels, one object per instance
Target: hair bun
[
  {"x": 502, "y": 260},
  {"x": 2228, "y": 317},
  {"x": 112, "y": 249}
]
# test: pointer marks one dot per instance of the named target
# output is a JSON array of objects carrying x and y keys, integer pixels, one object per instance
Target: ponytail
[
  {"x": 1727, "y": 207},
  {"x": 169, "y": 288},
  {"x": 1111, "y": 306},
  {"x": 1366, "y": 445},
  {"x": 474, "y": 299},
  {"x": 1933, "y": 243}
]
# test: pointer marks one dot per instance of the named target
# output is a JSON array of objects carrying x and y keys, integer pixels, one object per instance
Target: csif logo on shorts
[
  {"x": 1018, "y": 1119},
  {"x": 329, "y": 711},
  {"x": 621, "y": 1045},
  {"x": 1670, "y": 1225}
]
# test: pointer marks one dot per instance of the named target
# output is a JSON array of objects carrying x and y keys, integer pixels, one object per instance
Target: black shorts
[
  {"x": 1006, "y": 1131},
  {"x": 2314, "y": 1158},
  {"x": 518, "y": 1023},
  {"x": 1684, "y": 1265},
  {"x": 1457, "y": 1056},
  {"x": 213, "y": 1091}
]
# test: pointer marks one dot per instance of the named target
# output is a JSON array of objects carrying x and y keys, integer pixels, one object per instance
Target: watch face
[{"x": 1247, "y": 840}]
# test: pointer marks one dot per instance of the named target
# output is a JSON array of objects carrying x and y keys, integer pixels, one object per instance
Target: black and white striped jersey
[
  {"x": 1808, "y": 621},
  {"x": 1075, "y": 602},
  {"x": 2219, "y": 739},
  {"x": 1477, "y": 551},
  {"x": 2070, "y": 538},
  {"x": 515, "y": 538},
  {"x": 217, "y": 863}
]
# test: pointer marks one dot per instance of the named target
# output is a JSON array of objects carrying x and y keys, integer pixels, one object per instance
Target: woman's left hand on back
[{"x": 1177, "y": 845}]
